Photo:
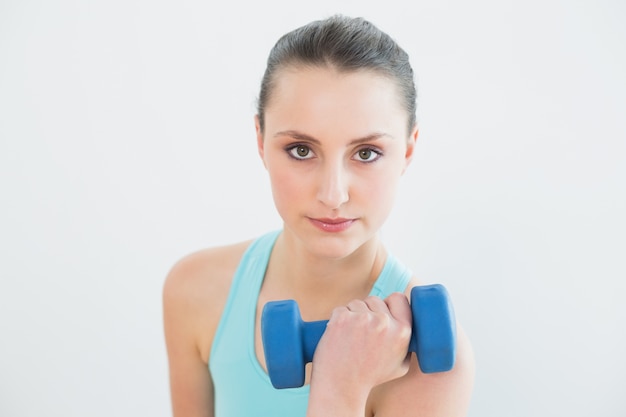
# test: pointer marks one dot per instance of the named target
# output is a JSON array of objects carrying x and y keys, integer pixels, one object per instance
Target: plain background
[{"x": 127, "y": 141}]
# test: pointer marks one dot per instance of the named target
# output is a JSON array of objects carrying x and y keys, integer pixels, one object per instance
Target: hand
[{"x": 365, "y": 344}]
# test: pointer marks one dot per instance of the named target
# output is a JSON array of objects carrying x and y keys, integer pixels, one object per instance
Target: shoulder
[
  {"x": 208, "y": 269},
  {"x": 196, "y": 289},
  {"x": 204, "y": 266}
]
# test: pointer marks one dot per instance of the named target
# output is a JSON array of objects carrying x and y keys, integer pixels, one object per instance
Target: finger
[
  {"x": 376, "y": 304},
  {"x": 357, "y": 306},
  {"x": 399, "y": 308}
]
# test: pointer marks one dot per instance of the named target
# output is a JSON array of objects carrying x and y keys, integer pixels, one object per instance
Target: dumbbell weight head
[
  {"x": 289, "y": 343},
  {"x": 434, "y": 328},
  {"x": 281, "y": 328}
]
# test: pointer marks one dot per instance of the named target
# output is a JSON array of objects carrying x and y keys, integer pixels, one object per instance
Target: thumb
[{"x": 400, "y": 310}]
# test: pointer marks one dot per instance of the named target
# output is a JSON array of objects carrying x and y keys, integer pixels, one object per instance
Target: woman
[{"x": 336, "y": 130}]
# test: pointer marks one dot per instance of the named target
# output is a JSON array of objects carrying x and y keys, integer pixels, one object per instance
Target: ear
[
  {"x": 260, "y": 143},
  {"x": 410, "y": 147}
]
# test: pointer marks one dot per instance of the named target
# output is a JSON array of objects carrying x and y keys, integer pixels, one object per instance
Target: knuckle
[
  {"x": 338, "y": 315},
  {"x": 373, "y": 299},
  {"x": 376, "y": 303},
  {"x": 396, "y": 297},
  {"x": 405, "y": 332},
  {"x": 381, "y": 322},
  {"x": 355, "y": 305}
]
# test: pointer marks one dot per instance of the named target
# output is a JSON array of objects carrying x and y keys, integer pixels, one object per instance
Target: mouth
[{"x": 335, "y": 225}]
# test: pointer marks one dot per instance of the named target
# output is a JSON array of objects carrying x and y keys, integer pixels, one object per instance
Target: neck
[{"x": 319, "y": 283}]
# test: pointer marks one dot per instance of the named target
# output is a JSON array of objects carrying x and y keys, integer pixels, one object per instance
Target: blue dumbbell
[{"x": 290, "y": 343}]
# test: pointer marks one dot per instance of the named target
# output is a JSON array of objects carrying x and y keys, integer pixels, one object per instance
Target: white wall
[{"x": 126, "y": 141}]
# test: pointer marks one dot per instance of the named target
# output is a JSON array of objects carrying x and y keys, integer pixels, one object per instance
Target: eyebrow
[{"x": 303, "y": 136}]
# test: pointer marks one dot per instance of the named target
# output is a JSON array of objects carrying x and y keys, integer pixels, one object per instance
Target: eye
[
  {"x": 300, "y": 152},
  {"x": 368, "y": 155}
]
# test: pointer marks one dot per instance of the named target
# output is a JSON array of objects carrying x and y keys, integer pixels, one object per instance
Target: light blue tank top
[{"x": 242, "y": 388}]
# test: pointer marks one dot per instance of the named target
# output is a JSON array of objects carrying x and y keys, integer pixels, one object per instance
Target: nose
[{"x": 333, "y": 185}]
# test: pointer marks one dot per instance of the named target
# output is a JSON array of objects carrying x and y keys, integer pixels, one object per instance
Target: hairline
[{"x": 297, "y": 64}]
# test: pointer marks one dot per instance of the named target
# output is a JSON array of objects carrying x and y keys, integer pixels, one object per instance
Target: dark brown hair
[{"x": 346, "y": 44}]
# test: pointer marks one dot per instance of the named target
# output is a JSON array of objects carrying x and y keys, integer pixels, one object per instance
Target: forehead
[{"x": 318, "y": 98}]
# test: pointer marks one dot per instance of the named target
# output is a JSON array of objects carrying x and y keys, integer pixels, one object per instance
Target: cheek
[
  {"x": 386, "y": 194},
  {"x": 287, "y": 187},
  {"x": 377, "y": 190}
]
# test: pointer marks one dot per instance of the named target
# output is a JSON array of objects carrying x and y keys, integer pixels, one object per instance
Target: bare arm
[
  {"x": 190, "y": 382},
  {"x": 194, "y": 296}
]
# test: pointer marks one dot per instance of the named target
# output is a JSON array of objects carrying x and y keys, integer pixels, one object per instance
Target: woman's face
[{"x": 335, "y": 146}]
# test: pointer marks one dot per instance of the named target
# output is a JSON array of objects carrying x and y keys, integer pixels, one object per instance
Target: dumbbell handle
[
  {"x": 313, "y": 331},
  {"x": 312, "y": 334}
]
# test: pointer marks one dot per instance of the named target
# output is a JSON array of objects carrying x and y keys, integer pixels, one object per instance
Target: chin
[
  {"x": 333, "y": 249},
  {"x": 333, "y": 245}
]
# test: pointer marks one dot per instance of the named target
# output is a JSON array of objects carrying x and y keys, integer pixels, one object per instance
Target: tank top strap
[
  {"x": 244, "y": 290},
  {"x": 394, "y": 277},
  {"x": 250, "y": 272},
  {"x": 241, "y": 386}
]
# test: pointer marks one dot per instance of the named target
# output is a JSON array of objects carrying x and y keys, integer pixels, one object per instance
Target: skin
[{"x": 335, "y": 146}]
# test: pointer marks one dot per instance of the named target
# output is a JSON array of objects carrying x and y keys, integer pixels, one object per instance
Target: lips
[{"x": 335, "y": 225}]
